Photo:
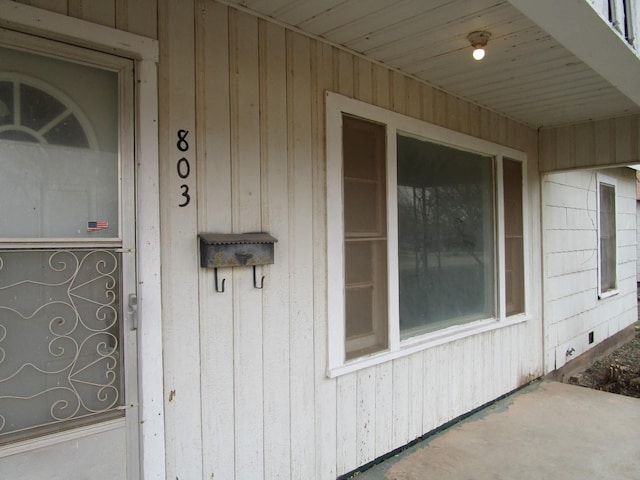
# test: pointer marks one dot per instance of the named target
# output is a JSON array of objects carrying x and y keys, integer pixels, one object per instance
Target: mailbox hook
[
  {"x": 215, "y": 274},
  {"x": 255, "y": 282}
]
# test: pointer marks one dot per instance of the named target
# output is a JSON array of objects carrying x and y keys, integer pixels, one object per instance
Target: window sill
[
  {"x": 425, "y": 342},
  {"x": 610, "y": 293}
]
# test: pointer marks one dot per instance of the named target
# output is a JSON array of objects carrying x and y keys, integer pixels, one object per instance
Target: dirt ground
[{"x": 618, "y": 372}]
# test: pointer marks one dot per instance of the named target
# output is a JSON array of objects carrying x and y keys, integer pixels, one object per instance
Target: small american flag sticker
[{"x": 98, "y": 225}]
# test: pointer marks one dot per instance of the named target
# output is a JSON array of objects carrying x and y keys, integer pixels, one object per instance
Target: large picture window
[{"x": 426, "y": 234}]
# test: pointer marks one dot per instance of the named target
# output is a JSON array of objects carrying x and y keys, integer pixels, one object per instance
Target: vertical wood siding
[
  {"x": 135, "y": 16},
  {"x": 213, "y": 133},
  {"x": 325, "y": 405},
  {"x": 179, "y": 229},
  {"x": 246, "y": 392},
  {"x": 264, "y": 367},
  {"x": 290, "y": 421},
  {"x": 275, "y": 218},
  {"x": 599, "y": 143}
]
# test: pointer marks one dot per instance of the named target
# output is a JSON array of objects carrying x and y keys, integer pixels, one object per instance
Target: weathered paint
[
  {"x": 550, "y": 63},
  {"x": 594, "y": 144},
  {"x": 50, "y": 450},
  {"x": 275, "y": 412},
  {"x": 246, "y": 395},
  {"x": 247, "y": 368}
]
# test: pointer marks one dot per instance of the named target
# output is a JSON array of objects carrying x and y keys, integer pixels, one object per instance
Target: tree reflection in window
[{"x": 445, "y": 236}]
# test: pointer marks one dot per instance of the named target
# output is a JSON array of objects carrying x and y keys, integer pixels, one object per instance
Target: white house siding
[
  {"x": 638, "y": 226},
  {"x": 246, "y": 391},
  {"x": 134, "y": 16},
  {"x": 571, "y": 305},
  {"x": 248, "y": 367},
  {"x": 637, "y": 241},
  {"x": 597, "y": 143},
  {"x": 601, "y": 6}
]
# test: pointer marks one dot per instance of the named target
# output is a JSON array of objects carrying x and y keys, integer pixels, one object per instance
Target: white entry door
[{"x": 68, "y": 387}]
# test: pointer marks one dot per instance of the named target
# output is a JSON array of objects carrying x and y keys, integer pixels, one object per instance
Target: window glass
[
  {"x": 6, "y": 103},
  {"x": 445, "y": 236},
  {"x": 607, "y": 237},
  {"x": 37, "y": 108},
  {"x": 58, "y": 148},
  {"x": 513, "y": 236},
  {"x": 365, "y": 241}
]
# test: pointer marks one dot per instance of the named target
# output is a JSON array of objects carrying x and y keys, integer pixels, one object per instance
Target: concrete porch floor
[{"x": 547, "y": 430}]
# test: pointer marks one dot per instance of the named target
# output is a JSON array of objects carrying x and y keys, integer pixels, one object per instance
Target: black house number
[{"x": 183, "y": 167}]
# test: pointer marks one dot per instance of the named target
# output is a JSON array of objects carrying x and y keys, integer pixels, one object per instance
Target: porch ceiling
[{"x": 526, "y": 74}]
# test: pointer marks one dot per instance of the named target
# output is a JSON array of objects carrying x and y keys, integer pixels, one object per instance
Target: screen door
[{"x": 67, "y": 256}]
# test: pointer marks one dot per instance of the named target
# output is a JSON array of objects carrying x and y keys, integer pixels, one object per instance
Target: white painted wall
[
  {"x": 601, "y": 6},
  {"x": 618, "y": 13},
  {"x": 637, "y": 241},
  {"x": 245, "y": 388},
  {"x": 637, "y": 174},
  {"x": 571, "y": 305}
]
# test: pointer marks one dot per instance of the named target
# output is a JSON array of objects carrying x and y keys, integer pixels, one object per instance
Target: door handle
[{"x": 132, "y": 310}]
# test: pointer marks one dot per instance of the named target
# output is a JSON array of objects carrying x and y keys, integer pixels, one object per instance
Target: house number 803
[{"x": 183, "y": 167}]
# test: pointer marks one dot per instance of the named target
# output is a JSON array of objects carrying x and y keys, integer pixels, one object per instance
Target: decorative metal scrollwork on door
[{"x": 60, "y": 357}]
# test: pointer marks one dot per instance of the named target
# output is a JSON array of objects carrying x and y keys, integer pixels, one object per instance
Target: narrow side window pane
[
  {"x": 513, "y": 236},
  {"x": 607, "y": 228},
  {"x": 365, "y": 238}
]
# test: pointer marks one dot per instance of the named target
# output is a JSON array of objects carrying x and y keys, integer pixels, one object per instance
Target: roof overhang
[
  {"x": 548, "y": 62},
  {"x": 582, "y": 31}
]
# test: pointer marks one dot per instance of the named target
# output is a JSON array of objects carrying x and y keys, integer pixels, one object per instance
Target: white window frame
[
  {"x": 602, "y": 178},
  {"x": 336, "y": 106}
]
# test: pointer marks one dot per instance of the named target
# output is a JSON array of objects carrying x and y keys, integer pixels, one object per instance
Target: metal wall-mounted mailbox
[{"x": 236, "y": 249}]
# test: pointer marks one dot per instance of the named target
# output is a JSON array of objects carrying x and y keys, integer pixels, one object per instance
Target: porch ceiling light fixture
[{"x": 478, "y": 40}]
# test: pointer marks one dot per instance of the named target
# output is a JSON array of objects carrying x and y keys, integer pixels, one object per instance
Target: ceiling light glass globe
[{"x": 478, "y": 53}]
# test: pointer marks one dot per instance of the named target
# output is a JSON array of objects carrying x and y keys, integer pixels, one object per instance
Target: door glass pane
[
  {"x": 445, "y": 236},
  {"x": 6, "y": 103},
  {"x": 52, "y": 191},
  {"x": 60, "y": 354},
  {"x": 59, "y": 163},
  {"x": 37, "y": 108}
]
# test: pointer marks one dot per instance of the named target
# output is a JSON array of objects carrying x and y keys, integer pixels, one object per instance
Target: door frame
[{"x": 145, "y": 54}]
